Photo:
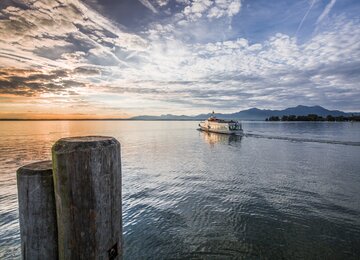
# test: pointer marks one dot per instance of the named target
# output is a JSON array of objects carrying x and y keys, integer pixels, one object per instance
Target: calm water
[{"x": 284, "y": 191}]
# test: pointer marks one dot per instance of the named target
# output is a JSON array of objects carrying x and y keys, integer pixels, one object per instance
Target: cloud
[
  {"x": 162, "y": 2},
  {"x": 278, "y": 71},
  {"x": 68, "y": 49},
  {"x": 87, "y": 70},
  {"x": 197, "y": 9},
  {"x": 30, "y": 83},
  {"x": 224, "y": 8},
  {"x": 63, "y": 28},
  {"x": 326, "y": 11},
  {"x": 59, "y": 36}
]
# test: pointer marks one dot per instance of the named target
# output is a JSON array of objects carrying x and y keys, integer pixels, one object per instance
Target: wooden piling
[
  {"x": 87, "y": 180},
  {"x": 37, "y": 211}
]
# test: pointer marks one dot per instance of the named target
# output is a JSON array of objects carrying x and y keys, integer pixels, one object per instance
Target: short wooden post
[
  {"x": 87, "y": 179},
  {"x": 37, "y": 211}
]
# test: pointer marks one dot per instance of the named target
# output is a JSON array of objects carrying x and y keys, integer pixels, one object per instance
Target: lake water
[{"x": 283, "y": 191}]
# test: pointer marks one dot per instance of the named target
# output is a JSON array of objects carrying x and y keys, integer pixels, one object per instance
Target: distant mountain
[
  {"x": 254, "y": 114},
  {"x": 318, "y": 110}
]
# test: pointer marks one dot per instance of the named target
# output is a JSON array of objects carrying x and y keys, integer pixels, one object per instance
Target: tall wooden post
[
  {"x": 87, "y": 180},
  {"x": 37, "y": 212}
]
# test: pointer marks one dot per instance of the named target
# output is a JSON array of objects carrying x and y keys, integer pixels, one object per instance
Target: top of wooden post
[
  {"x": 42, "y": 168},
  {"x": 69, "y": 144}
]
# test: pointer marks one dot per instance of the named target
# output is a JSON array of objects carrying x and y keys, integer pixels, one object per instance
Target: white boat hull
[{"x": 228, "y": 132}]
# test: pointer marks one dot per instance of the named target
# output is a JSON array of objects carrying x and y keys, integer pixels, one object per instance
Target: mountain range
[{"x": 254, "y": 114}]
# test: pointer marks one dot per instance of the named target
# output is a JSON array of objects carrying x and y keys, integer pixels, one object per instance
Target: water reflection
[
  {"x": 215, "y": 138},
  {"x": 198, "y": 195}
]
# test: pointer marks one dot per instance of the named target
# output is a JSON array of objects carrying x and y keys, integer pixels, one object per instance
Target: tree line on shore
[{"x": 314, "y": 117}]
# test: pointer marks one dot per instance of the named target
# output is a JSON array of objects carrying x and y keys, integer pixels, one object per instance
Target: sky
[{"x": 118, "y": 59}]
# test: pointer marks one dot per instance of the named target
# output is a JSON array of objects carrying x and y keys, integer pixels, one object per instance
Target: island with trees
[{"x": 314, "y": 117}]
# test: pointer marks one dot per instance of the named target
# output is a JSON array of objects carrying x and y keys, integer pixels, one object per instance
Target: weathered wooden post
[
  {"x": 87, "y": 180},
  {"x": 37, "y": 211}
]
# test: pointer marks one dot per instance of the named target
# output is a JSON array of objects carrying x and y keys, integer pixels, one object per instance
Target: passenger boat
[{"x": 215, "y": 125}]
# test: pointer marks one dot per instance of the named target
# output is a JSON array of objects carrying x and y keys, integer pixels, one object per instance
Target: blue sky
[{"x": 131, "y": 57}]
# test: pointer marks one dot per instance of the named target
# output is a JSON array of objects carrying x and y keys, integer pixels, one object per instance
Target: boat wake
[{"x": 295, "y": 139}]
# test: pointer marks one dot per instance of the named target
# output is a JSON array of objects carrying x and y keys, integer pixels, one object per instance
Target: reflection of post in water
[{"x": 214, "y": 138}]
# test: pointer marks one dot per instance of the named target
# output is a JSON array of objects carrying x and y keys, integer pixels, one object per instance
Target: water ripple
[{"x": 194, "y": 195}]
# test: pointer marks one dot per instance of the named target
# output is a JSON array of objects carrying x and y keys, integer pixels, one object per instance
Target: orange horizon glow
[{"x": 50, "y": 116}]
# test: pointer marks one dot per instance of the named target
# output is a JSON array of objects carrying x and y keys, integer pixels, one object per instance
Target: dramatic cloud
[
  {"x": 194, "y": 57},
  {"x": 32, "y": 83}
]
